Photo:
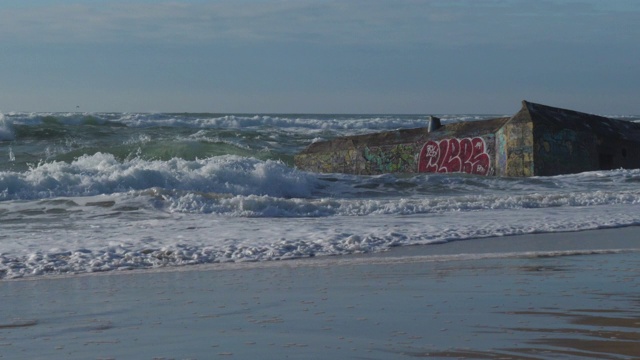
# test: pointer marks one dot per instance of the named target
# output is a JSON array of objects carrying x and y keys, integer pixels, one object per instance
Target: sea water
[{"x": 92, "y": 192}]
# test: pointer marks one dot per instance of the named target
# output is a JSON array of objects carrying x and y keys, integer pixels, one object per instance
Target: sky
[{"x": 320, "y": 56}]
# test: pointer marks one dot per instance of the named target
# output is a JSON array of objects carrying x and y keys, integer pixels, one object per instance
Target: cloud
[{"x": 444, "y": 22}]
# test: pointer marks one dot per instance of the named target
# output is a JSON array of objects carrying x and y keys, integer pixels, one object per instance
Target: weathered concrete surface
[
  {"x": 568, "y": 141},
  {"x": 400, "y": 150},
  {"x": 538, "y": 140}
]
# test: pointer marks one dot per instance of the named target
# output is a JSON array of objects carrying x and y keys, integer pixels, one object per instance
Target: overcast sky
[{"x": 320, "y": 56}]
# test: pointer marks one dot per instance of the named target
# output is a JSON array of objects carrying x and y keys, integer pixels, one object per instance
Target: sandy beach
[{"x": 562, "y": 295}]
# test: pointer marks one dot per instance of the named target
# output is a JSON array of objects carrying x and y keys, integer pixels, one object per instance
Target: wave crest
[{"x": 6, "y": 131}]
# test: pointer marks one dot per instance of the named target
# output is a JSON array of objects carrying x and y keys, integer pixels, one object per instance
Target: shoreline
[
  {"x": 409, "y": 302},
  {"x": 569, "y": 243}
]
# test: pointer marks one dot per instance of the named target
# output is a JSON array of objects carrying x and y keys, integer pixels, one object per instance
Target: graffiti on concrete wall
[
  {"x": 560, "y": 142},
  {"x": 400, "y": 158},
  {"x": 468, "y": 155},
  {"x": 564, "y": 151}
]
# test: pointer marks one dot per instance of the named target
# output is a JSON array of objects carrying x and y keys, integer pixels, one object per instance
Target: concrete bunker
[{"x": 538, "y": 140}]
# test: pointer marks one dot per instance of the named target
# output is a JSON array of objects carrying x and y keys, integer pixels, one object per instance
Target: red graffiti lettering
[{"x": 453, "y": 155}]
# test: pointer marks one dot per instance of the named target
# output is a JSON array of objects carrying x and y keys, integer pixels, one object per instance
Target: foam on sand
[{"x": 581, "y": 302}]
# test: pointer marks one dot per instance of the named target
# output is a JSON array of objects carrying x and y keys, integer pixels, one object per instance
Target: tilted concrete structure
[{"x": 539, "y": 140}]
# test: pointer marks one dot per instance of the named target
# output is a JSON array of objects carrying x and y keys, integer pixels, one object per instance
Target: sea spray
[
  {"x": 6, "y": 133},
  {"x": 101, "y": 173}
]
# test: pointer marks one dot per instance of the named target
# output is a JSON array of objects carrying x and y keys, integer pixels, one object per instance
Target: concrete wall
[
  {"x": 348, "y": 161},
  {"x": 568, "y": 141},
  {"x": 514, "y": 142},
  {"x": 563, "y": 151},
  {"x": 391, "y": 158},
  {"x": 464, "y": 154},
  {"x": 467, "y": 147},
  {"x": 467, "y": 154},
  {"x": 624, "y": 153},
  {"x": 539, "y": 140}
]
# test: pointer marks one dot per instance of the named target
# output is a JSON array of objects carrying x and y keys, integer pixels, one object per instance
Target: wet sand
[{"x": 494, "y": 298}]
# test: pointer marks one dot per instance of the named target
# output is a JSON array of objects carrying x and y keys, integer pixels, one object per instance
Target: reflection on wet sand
[{"x": 585, "y": 333}]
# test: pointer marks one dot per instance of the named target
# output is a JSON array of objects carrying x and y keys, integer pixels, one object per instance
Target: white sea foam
[
  {"x": 102, "y": 241},
  {"x": 97, "y": 213},
  {"x": 83, "y": 199},
  {"x": 104, "y": 174},
  {"x": 229, "y": 184}
]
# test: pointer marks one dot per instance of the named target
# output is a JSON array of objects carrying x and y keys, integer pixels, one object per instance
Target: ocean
[{"x": 95, "y": 192}]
